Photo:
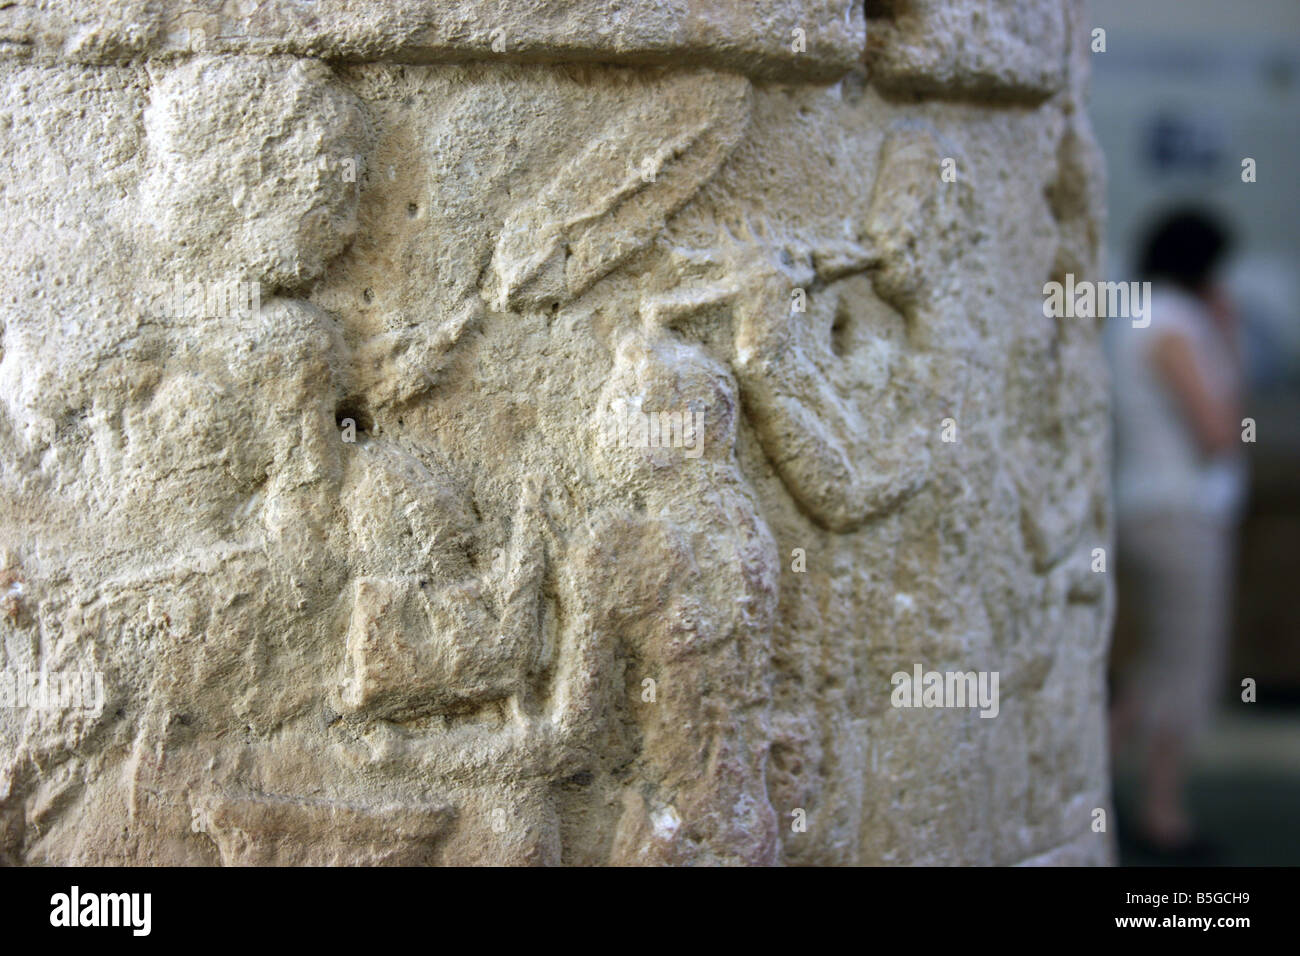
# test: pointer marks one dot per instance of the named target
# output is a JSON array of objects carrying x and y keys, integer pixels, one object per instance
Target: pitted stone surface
[
  {"x": 977, "y": 49},
  {"x": 775, "y": 38},
  {"x": 376, "y": 566}
]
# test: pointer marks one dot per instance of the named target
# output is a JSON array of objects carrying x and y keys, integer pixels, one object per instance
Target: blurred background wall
[{"x": 1184, "y": 92}]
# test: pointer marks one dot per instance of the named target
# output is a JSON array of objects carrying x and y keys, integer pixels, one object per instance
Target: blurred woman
[{"x": 1179, "y": 486}]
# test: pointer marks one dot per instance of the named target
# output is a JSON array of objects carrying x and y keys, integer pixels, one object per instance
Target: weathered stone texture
[
  {"x": 979, "y": 49},
  {"x": 432, "y": 644},
  {"x": 754, "y": 36}
]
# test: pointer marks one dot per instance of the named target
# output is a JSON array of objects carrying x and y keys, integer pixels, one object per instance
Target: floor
[{"x": 1244, "y": 790}]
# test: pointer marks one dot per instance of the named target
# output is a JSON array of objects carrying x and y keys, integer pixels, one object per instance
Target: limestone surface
[{"x": 476, "y": 432}]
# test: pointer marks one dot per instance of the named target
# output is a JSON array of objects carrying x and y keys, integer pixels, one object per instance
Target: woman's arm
[{"x": 1213, "y": 421}]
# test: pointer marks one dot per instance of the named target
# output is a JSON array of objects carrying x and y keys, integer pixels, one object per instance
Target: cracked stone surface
[{"x": 313, "y": 319}]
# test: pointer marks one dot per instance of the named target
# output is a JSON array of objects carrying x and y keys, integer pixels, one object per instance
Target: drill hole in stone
[
  {"x": 883, "y": 9},
  {"x": 356, "y": 410},
  {"x": 841, "y": 331}
]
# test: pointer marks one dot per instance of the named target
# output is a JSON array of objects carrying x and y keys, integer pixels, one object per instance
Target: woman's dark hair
[{"x": 1184, "y": 247}]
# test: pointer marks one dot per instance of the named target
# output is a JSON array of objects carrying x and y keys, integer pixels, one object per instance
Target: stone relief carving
[{"x": 431, "y": 644}]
